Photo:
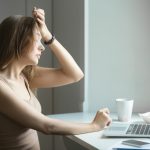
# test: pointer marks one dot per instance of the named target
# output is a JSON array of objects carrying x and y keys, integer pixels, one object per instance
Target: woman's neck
[{"x": 13, "y": 71}]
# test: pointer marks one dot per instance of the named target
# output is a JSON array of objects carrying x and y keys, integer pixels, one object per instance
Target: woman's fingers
[
  {"x": 41, "y": 11},
  {"x": 40, "y": 22},
  {"x": 106, "y": 110},
  {"x": 102, "y": 118},
  {"x": 38, "y": 11},
  {"x": 39, "y": 15}
]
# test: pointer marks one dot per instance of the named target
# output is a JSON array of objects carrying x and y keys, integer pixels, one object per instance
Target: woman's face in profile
[{"x": 34, "y": 50}]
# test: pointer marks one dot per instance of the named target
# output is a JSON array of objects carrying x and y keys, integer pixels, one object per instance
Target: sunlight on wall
[{"x": 118, "y": 59}]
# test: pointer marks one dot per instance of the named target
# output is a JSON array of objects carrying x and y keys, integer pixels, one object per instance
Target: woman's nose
[{"x": 42, "y": 48}]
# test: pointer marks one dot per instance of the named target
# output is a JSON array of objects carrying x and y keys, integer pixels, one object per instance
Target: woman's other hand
[
  {"x": 102, "y": 119},
  {"x": 39, "y": 16}
]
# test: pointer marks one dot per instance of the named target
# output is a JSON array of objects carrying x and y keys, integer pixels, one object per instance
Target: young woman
[{"x": 20, "y": 111}]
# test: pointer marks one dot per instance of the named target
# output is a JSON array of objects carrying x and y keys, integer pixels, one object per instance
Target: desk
[{"x": 94, "y": 140}]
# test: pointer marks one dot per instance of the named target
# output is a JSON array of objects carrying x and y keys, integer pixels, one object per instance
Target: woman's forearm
[
  {"x": 55, "y": 126},
  {"x": 68, "y": 64}
]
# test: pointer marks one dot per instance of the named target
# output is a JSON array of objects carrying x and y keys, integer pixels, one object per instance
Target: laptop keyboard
[{"x": 139, "y": 129}]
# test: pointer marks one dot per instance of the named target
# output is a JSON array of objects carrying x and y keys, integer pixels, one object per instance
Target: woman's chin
[{"x": 35, "y": 62}]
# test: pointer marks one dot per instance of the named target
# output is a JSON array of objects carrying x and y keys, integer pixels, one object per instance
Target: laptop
[{"x": 132, "y": 129}]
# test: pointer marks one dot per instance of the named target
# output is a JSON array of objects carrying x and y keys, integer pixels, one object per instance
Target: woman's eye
[{"x": 37, "y": 41}]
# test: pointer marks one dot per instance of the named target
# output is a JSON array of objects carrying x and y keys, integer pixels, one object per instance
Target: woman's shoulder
[
  {"x": 5, "y": 89},
  {"x": 3, "y": 86}
]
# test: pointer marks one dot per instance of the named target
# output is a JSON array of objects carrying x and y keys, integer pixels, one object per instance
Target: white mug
[{"x": 124, "y": 109}]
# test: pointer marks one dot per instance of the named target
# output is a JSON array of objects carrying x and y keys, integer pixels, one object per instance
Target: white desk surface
[{"x": 94, "y": 140}]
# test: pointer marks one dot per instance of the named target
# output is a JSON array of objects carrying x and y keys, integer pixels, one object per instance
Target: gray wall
[
  {"x": 68, "y": 26},
  {"x": 118, "y": 50},
  {"x": 5, "y": 6}
]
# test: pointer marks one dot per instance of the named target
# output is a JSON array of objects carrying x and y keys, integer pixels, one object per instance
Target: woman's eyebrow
[{"x": 39, "y": 35}]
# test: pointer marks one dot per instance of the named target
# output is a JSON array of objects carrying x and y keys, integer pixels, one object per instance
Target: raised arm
[{"x": 68, "y": 72}]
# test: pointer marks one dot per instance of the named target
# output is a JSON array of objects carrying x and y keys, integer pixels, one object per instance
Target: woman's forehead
[{"x": 37, "y": 32}]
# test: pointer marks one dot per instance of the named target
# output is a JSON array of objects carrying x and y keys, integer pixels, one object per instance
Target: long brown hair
[{"x": 16, "y": 33}]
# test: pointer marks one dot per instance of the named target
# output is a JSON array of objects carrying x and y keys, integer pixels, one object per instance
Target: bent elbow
[{"x": 79, "y": 77}]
